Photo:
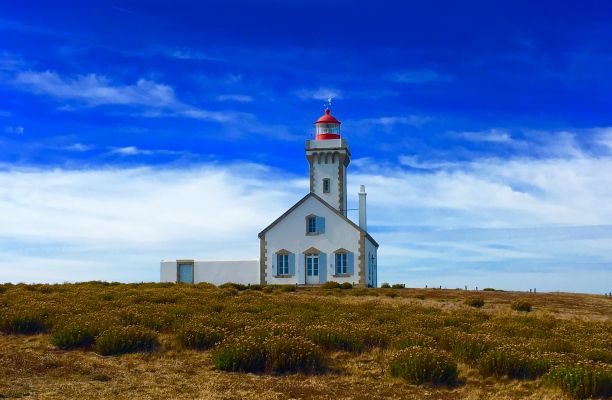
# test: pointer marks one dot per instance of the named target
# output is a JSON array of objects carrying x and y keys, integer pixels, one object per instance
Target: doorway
[{"x": 312, "y": 269}]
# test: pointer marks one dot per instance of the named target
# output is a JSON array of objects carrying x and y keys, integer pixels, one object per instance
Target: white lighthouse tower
[{"x": 328, "y": 156}]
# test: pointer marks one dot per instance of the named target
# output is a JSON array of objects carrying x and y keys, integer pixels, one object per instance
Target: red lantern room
[{"x": 328, "y": 127}]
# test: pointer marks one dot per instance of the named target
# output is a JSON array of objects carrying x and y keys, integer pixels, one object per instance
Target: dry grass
[{"x": 574, "y": 326}]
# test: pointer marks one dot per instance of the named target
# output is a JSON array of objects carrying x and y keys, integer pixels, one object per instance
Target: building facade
[{"x": 313, "y": 242}]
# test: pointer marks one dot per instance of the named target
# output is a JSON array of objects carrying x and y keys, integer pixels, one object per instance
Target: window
[
  {"x": 315, "y": 225},
  {"x": 283, "y": 264},
  {"x": 312, "y": 225},
  {"x": 341, "y": 263},
  {"x": 326, "y": 185}
]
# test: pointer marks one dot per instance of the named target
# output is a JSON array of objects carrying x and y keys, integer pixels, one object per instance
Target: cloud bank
[{"x": 509, "y": 224}]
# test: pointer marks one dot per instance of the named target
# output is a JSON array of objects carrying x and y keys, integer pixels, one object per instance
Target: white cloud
[
  {"x": 158, "y": 100},
  {"x": 17, "y": 130},
  {"x": 512, "y": 224},
  {"x": 185, "y": 54},
  {"x": 129, "y": 151},
  {"x": 10, "y": 61},
  {"x": 392, "y": 120},
  {"x": 419, "y": 76},
  {"x": 98, "y": 90},
  {"x": 240, "y": 98},
  {"x": 135, "y": 151},
  {"x": 80, "y": 147},
  {"x": 416, "y": 162},
  {"x": 604, "y": 137},
  {"x": 491, "y": 135},
  {"x": 321, "y": 93}
]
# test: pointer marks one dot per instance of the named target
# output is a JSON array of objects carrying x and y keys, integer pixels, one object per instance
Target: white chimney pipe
[{"x": 363, "y": 223}]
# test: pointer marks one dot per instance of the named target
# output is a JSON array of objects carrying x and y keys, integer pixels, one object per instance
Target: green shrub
[
  {"x": 125, "y": 339},
  {"x": 398, "y": 286},
  {"x": 385, "y": 285},
  {"x": 283, "y": 353},
  {"x": 582, "y": 380},
  {"x": 240, "y": 354},
  {"x": 289, "y": 353},
  {"x": 469, "y": 348},
  {"x": 419, "y": 296},
  {"x": 74, "y": 335},
  {"x": 287, "y": 288},
  {"x": 267, "y": 289},
  {"x": 363, "y": 292},
  {"x": 489, "y": 289},
  {"x": 23, "y": 322},
  {"x": 474, "y": 302},
  {"x": 521, "y": 305},
  {"x": 557, "y": 345},
  {"x": 411, "y": 339},
  {"x": 513, "y": 362},
  {"x": 419, "y": 365},
  {"x": 199, "y": 336},
  {"x": 336, "y": 337},
  {"x": 346, "y": 285},
  {"x": 330, "y": 285},
  {"x": 237, "y": 286},
  {"x": 602, "y": 355},
  {"x": 257, "y": 287}
]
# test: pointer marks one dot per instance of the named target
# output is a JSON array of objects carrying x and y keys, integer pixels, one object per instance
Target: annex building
[{"x": 311, "y": 243}]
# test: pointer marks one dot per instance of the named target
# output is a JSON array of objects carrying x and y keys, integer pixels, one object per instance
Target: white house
[{"x": 314, "y": 241}]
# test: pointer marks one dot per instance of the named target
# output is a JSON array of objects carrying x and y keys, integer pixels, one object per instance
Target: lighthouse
[
  {"x": 311, "y": 243},
  {"x": 328, "y": 156}
]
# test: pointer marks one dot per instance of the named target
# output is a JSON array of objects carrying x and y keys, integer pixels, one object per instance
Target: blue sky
[{"x": 134, "y": 131}]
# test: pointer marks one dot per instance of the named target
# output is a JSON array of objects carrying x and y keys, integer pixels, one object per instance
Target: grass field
[{"x": 133, "y": 341}]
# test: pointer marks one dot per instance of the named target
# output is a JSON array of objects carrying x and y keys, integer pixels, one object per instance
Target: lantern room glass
[{"x": 328, "y": 129}]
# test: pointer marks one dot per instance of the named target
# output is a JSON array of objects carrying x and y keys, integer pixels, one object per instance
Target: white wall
[
  {"x": 322, "y": 171},
  {"x": 219, "y": 272},
  {"x": 290, "y": 234},
  {"x": 167, "y": 271},
  {"x": 216, "y": 272}
]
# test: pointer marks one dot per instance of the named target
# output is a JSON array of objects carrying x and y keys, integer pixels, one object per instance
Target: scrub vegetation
[{"x": 110, "y": 340}]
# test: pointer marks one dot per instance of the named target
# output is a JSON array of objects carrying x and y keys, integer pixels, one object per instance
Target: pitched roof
[{"x": 299, "y": 203}]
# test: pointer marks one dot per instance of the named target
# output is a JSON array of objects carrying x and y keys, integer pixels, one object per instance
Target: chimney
[{"x": 363, "y": 224}]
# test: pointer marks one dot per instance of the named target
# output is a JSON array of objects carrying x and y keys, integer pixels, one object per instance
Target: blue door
[{"x": 185, "y": 273}]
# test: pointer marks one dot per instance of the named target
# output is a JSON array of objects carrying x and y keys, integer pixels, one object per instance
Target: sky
[{"x": 135, "y": 131}]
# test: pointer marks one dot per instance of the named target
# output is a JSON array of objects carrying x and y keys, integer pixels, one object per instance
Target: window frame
[
  {"x": 326, "y": 185},
  {"x": 282, "y": 268},
  {"x": 342, "y": 266},
  {"x": 311, "y": 226}
]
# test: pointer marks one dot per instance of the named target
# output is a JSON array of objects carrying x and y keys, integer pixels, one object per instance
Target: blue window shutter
[
  {"x": 322, "y": 268},
  {"x": 291, "y": 264},
  {"x": 320, "y": 224},
  {"x": 274, "y": 259},
  {"x": 350, "y": 260}
]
